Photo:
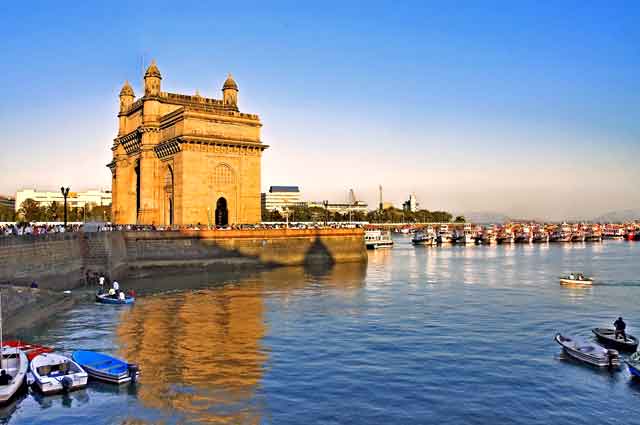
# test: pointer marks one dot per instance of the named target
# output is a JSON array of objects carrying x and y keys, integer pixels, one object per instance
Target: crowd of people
[
  {"x": 21, "y": 229},
  {"x": 26, "y": 229}
]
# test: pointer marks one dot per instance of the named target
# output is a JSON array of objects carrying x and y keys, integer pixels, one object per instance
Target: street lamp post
[
  {"x": 65, "y": 193},
  {"x": 326, "y": 212}
]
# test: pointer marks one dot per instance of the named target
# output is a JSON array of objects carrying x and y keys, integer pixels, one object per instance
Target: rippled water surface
[{"x": 419, "y": 335}]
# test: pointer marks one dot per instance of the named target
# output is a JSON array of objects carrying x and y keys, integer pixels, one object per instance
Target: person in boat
[
  {"x": 620, "y": 328},
  {"x": 571, "y": 276},
  {"x": 121, "y": 296},
  {"x": 116, "y": 285},
  {"x": 5, "y": 378},
  {"x": 34, "y": 285},
  {"x": 112, "y": 293},
  {"x": 101, "y": 283}
]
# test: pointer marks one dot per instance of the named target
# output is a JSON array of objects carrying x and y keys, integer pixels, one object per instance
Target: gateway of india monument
[{"x": 181, "y": 159}]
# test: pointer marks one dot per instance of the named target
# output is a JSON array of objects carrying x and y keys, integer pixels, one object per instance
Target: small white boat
[
  {"x": 589, "y": 352},
  {"x": 375, "y": 239},
  {"x": 576, "y": 279},
  {"x": 53, "y": 373},
  {"x": 15, "y": 364}
]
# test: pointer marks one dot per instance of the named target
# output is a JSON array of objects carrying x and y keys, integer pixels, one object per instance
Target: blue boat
[
  {"x": 106, "y": 299},
  {"x": 633, "y": 363},
  {"x": 106, "y": 368}
]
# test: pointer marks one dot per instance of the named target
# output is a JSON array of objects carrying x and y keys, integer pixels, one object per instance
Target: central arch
[
  {"x": 222, "y": 212},
  {"x": 168, "y": 194}
]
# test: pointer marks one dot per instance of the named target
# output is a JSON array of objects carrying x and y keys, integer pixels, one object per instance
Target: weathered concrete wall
[
  {"x": 24, "y": 307},
  {"x": 63, "y": 260}
]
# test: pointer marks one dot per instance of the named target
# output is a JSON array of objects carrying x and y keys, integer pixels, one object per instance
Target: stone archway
[
  {"x": 168, "y": 196},
  {"x": 136, "y": 170},
  {"x": 222, "y": 212}
]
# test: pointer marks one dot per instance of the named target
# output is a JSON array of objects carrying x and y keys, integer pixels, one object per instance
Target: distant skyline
[{"x": 521, "y": 108}]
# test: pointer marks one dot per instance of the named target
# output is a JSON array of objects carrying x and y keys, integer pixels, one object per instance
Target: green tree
[
  {"x": 53, "y": 212},
  {"x": 7, "y": 213},
  {"x": 99, "y": 213},
  {"x": 460, "y": 219},
  {"x": 30, "y": 210}
]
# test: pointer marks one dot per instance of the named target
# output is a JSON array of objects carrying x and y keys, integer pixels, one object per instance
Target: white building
[
  {"x": 411, "y": 204},
  {"x": 280, "y": 197},
  {"x": 75, "y": 199},
  {"x": 342, "y": 208}
]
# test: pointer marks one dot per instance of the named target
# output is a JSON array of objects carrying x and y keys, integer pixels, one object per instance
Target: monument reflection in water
[{"x": 201, "y": 352}]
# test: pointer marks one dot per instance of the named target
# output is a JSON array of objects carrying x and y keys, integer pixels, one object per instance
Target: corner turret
[
  {"x": 230, "y": 92},
  {"x": 152, "y": 80},
  {"x": 126, "y": 96}
]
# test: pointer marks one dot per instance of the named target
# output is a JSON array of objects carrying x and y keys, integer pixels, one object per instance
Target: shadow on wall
[{"x": 318, "y": 260}]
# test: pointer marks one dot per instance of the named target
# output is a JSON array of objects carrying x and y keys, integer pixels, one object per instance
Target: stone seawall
[{"x": 62, "y": 261}]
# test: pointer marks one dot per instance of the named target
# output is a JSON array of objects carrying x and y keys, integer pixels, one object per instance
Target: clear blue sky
[{"x": 527, "y": 108}]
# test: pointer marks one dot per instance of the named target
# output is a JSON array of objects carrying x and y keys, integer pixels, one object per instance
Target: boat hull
[
  {"x": 611, "y": 359},
  {"x": 105, "y": 368},
  {"x": 633, "y": 363},
  {"x": 379, "y": 244},
  {"x": 49, "y": 378},
  {"x": 573, "y": 282},
  {"x": 105, "y": 299},
  {"x": 608, "y": 339},
  {"x": 16, "y": 363}
]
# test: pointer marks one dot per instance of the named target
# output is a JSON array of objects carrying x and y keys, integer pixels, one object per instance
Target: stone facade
[{"x": 181, "y": 159}]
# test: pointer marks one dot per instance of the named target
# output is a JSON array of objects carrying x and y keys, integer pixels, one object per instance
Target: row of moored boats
[{"x": 49, "y": 372}]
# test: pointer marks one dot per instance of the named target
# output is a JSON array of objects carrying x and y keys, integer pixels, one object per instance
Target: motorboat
[
  {"x": 106, "y": 368},
  {"x": 53, "y": 373},
  {"x": 633, "y": 363},
  {"x": 540, "y": 237},
  {"x": 375, "y": 239},
  {"x": 30, "y": 350},
  {"x": 589, "y": 352},
  {"x": 422, "y": 238},
  {"x": 576, "y": 279},
  {"x": 108, "y": 299},
  {"x": 608, "y": 338},
  {"x": 15, "y": 364}
]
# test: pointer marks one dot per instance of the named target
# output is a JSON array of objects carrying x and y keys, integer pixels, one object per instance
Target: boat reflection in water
[{"x": 201, "y": 352}]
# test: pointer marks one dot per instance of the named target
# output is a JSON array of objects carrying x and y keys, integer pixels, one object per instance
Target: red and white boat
[{"x": 30, "y": 350}]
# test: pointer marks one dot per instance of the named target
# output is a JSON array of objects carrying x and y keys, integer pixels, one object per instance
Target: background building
[
  {"x": 75, "y": 199},
  {"x": 411, "y": 204},
  {"x": 185, "y": 159},
  {"x": 342, "y": 207},
  {"x": 7, "y": 202},
  {"x": 280, "y": 197}
]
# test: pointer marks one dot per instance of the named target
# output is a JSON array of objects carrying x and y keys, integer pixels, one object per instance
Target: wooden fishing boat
[
  {"x": 608, "y": 339},
  {"x": 107, "y": 299},
  {"x": 15, "y": 363},
  {"x": 106, "y": 368},
  {"x": 54, "y": 373},
  {"x": 633, "y": 363},
  {"x": 589, "y": 352},
  {"x": 30, "y": 350}
]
